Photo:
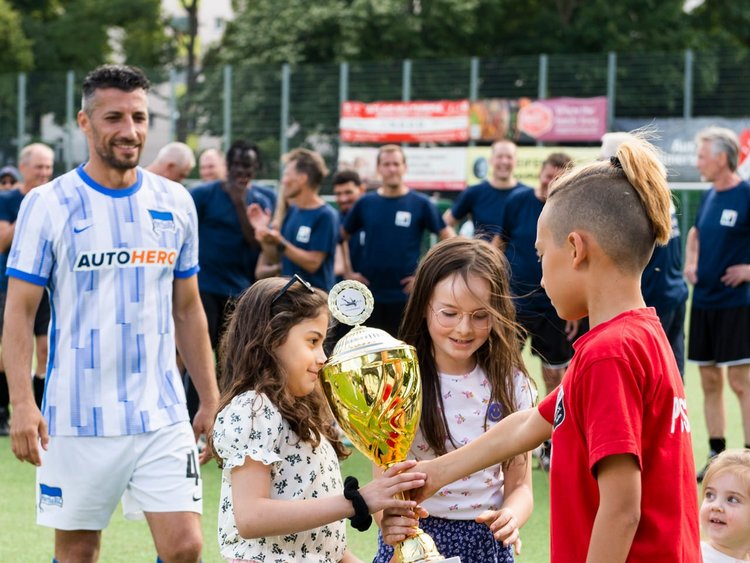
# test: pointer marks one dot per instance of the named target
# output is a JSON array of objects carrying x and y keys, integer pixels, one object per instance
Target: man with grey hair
[
  {"x": 174, "y": 162},
  {"x": 35, "y": 163},
  {"x": 717, "y": 263}
]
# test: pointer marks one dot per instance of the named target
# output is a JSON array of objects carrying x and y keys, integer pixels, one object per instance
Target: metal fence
[{"x": 282, "y": 107}]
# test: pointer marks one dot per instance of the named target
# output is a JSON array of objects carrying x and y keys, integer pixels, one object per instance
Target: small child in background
[
  {"x": 282, "y": 498},
  {"x": 725, "y": 512},
  {"x": 461, "y": 320}
]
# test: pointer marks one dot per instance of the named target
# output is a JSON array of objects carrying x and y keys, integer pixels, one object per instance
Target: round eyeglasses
[{"x": 451, "y": 318}]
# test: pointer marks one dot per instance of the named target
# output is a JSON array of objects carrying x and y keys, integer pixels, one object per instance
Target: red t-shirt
[{"x": 621, "y": 394}]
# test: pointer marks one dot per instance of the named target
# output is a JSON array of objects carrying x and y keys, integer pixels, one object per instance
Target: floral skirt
[{"x": 469, "y": 540}]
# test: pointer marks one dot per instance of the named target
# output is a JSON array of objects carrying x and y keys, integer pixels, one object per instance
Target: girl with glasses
[{"x": 461, "y": 320}]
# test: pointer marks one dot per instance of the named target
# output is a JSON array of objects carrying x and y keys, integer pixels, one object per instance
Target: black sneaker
[
  {"x": 4, "y": 426},
  {"x": 702, "y": 473}
]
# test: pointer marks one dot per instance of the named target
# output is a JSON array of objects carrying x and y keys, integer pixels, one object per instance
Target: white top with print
[
  {"x": 251, "y": 426},
  {"x": 466, "y": 399}
]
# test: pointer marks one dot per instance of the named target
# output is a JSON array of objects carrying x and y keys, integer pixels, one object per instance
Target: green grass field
[{"x": 126, "y": 541}]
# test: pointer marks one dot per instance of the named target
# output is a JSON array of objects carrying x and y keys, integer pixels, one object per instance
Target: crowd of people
[{"x": 126, "y": 286}]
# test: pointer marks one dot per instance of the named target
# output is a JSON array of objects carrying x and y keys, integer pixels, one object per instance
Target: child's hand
[
  {"x": 432, "y": 484},
  {"x": 398, "y": 523},
  {"x": 504, "y": 526},
  {"x": 379, "y": 492}
]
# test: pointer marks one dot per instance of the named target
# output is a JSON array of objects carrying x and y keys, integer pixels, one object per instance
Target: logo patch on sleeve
[{"x": 162, "y": 221}]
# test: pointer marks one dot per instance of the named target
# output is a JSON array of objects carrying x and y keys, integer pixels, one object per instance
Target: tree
[{"x": 79, "y": 35}]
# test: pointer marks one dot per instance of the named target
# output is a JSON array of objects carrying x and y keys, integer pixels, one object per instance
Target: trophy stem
[{"x": 418, "y": 548}]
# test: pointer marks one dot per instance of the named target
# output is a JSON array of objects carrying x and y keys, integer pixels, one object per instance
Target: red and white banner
[{"x": 405, "y": 122}]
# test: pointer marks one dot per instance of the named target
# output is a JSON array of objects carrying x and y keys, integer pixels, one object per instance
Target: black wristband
[{"x": 362, "y": 519}]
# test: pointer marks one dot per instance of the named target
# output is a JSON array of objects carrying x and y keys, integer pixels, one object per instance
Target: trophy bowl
[{"x": 374, "y": 389}]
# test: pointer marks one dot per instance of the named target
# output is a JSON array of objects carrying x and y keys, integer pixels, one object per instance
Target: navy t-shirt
[
  {"x": 662, "y": 284},
  {"x": 10, "y": 203},
  {"x": 520, "y": 217},
  {"x": 393, "y": 228},
  {"x": 227, "y": 261},
  {"x": 312, "y": 229},
  {"x": 486, "y": 206},
  {"x": 356, "y": 245},
  {"x": 723, "y": 223}
]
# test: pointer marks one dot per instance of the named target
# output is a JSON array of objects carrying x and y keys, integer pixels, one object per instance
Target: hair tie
[
  {"x": 614, "y": 161},
  {"x": 362, "y": 519}
]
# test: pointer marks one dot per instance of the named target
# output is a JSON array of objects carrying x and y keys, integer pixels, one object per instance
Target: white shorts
[{"x": 81, "y": 479}]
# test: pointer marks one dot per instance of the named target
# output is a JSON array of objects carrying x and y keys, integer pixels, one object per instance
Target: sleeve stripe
[
  {"x": 31, "y": 278},
  {"x": 187, "y": 273}
]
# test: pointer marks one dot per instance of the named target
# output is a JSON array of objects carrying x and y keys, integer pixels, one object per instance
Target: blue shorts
[{"x": 470, "y": 541}]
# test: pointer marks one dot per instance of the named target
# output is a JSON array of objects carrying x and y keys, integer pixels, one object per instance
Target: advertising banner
[
  {"x": 528, "y": 162},
  {"x": 458, "y": 121},
  {"x": 564, "y": 119},
  {"x": 676, "y": 139},
  {"x": 454, "y": 168},
  {"x": 428, "y": 169},
  {"x": 405, "y": 122}
]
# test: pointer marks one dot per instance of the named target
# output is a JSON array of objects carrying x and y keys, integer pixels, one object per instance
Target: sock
[
  {"x": 4, "y": 395},
  {"x": 717, "y": 445}
]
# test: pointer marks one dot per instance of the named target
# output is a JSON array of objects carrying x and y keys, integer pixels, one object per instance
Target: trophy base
[{"x": 420, "y": 548}]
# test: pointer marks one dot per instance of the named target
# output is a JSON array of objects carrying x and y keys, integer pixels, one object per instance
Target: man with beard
[
  {"x": 116, "y": 247},
  {"x": 485, "y": 201},
  {"x": 306, "y": 242},
  {"x": 394, "y": 220}
]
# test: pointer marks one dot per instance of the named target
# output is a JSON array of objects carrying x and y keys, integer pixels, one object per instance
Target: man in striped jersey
[{"x": 116, "y": 248}]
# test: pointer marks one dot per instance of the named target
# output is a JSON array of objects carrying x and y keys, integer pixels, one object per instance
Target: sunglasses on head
[{"x": 294, "y": 279}]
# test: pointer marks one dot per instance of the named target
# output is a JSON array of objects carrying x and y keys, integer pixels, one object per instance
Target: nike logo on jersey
[{"x": 81, "y": 226}]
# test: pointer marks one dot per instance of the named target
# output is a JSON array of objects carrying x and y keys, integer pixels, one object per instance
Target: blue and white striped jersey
[{"x": 108, "y": 259}]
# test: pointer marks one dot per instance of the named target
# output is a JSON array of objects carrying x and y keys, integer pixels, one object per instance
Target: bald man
[
  {"x": 212, "y": 166},
  {"x": 174, "y": 162}
]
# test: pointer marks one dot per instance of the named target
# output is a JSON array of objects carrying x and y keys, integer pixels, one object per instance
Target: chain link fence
[{"x": 281, "y": 107}]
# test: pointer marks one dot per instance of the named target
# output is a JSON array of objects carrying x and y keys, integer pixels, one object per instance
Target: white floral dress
[{"x": 251, "y": 426}]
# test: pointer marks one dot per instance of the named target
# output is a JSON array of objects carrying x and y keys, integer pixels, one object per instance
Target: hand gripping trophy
[{"x": 373, "y": 386}]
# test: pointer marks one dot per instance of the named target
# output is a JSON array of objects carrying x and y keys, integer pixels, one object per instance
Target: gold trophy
[{"x": 373, "y": 386}]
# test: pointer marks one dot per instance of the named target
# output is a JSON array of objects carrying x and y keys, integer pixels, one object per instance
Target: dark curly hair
[
  {"x": 248, "y": 361},
  {"x": 122, "y": 77}
]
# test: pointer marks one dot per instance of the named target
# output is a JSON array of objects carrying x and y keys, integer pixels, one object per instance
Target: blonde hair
[
  {"x": 624, "y": 202},
  {"x": 735, "y": 461}
]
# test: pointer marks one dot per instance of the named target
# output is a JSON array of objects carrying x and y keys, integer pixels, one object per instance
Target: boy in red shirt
[{"x": 622, "y": 479}]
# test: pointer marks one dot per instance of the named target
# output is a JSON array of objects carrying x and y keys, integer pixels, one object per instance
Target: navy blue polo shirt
[
  {"x": 393, "y": 228},
  {"x": 486, "y": 206},
  {"x": 227, "y": 261},
  {"x": 312, "y": 229},
  {"x": 723, "y": 223},
  {"x": 662, "y": 284}
]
